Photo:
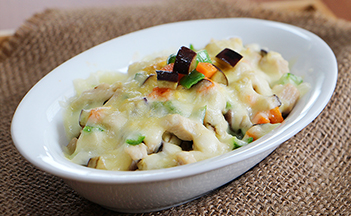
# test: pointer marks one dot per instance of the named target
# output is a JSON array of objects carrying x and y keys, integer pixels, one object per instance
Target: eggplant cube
[
  {"x": 185, "y": 61},
  {"x": 167, "y": 79},
  {"x": 229, "y": 56},
  {"x": 167, "y": 76}
]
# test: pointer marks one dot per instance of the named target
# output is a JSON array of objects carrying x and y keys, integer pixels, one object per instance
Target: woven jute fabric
[{"x": 307, "y": 175}]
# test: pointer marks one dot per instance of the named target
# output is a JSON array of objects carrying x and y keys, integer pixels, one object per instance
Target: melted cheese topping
[{"x": 135, "y": 125}]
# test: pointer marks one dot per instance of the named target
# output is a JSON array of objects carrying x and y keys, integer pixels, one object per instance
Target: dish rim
[{"x": 266, "y": 143}]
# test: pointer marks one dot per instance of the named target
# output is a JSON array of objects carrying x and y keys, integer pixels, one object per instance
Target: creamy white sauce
[{"x": 178, "y": 126}]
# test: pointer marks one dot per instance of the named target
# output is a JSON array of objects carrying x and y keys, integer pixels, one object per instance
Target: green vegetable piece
[
  {"x": 199, "y": 114},
  {"x": 191, "y": 46},
  {"x": 191, "y": 79},
  {"x": 171, "y": 58},
  {"x": 166, "y": 106},
  {"x": 202, "y": 112},
  {"x": 156, "y": 105},
  {"x": 87, "y": 128},
  {"x": 140, "y": 77},
  {"x": 249, "y": 140},
  {"x": 203, "y": 56},
  {"x": 91, "y": 128},
  {"x": 237, "y": 143},
  {"x": 290, "y": 78},
  {"x": 170, "y": 107},
  {"x": 135, "y": 139},
  {"x": 137, "y": 76},
  {"x": 228, "y": 105}
]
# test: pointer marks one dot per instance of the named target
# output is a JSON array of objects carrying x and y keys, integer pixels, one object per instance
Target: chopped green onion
[
  {"x": 290, "y": 78},
  {"x": 199, "y": 114},
  {"x": 91, "y": 128},
  {"x": 191, "y": 46},
  {"x": 191, "y": 79},
  {"x": 135, "y": 139},
  {"x": 166, "y": 106},
  {"x": 170, "y": 107},
  {"x": 228, "y": 105},
  {"x": 140, "y": 77},
  {"x": 237, "y": 143},
  {"x": 203, "y": 56},
  {"x": 156, "y": 105},
  {"x": 249, "y": 140},
  {"x": 87, "y": 129}
]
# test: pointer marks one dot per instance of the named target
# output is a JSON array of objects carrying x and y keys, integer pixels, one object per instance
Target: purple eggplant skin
[
  {"x": 229, "y": 56},
  {"x": 220, "y": 77},
  {"x": 149, "y": 80},
  {"x": 263, "y": 52},
  {"x": 167, "y": 76},
  {"x": 185, "y": 61}
]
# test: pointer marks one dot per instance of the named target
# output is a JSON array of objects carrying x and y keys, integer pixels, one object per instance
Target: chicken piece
[
  {"x": 180, "y": 126},
  {"x": 266, "y": 103},
  {"x": 216, "y": 121},
  {"x": 185, "y": 158},
  {"x": 186, "y": 129},
  {"x": 274, "y": 65},
  {"x": 136, "y": 152},
  {"x": 288, "y": 95},
  {"x": 165, "y": 158},
  {"x": 154, "y": 140},
  {"x": 238, "y": 119}
]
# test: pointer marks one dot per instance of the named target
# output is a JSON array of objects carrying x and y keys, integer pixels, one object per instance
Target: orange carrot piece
[
  {"x": 180, "y": 76},
  {"x": 261, "y": 118},
  {"x": 252, "y": 133},
  {"x": 272, "y": 116},
  {"x": 160, "y": 92},
  {"x": 168, "y": 67},
  {"x": 275, "y": 116},
  {"x": 206, "y": 69}
]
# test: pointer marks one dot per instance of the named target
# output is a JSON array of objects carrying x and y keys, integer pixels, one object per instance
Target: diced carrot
[
  {"x": 275, "y": 116},
  {"x": 168, "y": 67},
  {"x": 160, "y": 92},
  {"x": 206, "y": 69},
  {"x": 260, "y": 118},
  {"x": 252, "y": 133},
  {"x": 180, "y": 76},
  {"x": 272, "y": 116}
]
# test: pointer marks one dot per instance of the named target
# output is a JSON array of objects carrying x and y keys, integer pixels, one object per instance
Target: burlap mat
[{"x": 307, "y": 175}]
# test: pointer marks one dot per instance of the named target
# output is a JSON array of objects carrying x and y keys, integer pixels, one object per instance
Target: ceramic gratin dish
[{"x": 38, "y": 131}]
